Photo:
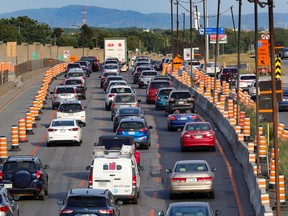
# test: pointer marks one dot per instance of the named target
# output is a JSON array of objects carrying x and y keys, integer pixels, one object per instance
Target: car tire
[
  {"x": 146, "y": 147},
  {"x": 183, "y": 149},
  {"x": 213, "y": 149},
  {"x": 41, "y": 195},
  {"x": 156, "y": 107},
  {"x": 46, "y": 189},
  {"x": 172, "y": 196},
  {"x": 211, "y": 195},
  {"x": 169, "y": 128},
  {"x": 48, "y": 144},
  {"x": 54, "y": 107},
  {"x": 106, "y": 107},
  {"x": 112, "y": 118},
  {"x": 134, "y": 201}
]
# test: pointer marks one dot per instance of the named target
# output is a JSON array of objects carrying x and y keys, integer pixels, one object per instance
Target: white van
[{"x": 116, "y": 171}]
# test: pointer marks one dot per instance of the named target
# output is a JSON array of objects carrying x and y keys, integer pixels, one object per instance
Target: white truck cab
[{"x": 116, "y": 171}]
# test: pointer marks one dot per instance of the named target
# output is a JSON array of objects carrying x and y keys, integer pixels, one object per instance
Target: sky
[{"x": 144, "y": 6}]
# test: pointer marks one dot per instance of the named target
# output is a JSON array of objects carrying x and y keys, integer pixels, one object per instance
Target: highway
[{"x": 67, "y": 163}]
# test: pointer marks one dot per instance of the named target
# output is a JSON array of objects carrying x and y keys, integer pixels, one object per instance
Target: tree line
[{"x": 26, "y": 30}]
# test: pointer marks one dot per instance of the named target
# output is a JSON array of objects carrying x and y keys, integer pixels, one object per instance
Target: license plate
[
  {"x": 191, "y": 179},
  {"x": 181, "y": 102},
  {"x": 7, "y": 185},
  {"x": 124, "y": 105},
  {"x": 70, "y": 114},
  {"x": 102, "y": 184},
  {"x": 183, "y": 118},
  {"x": 198, "y": 136},
  {"x": 131, "y": 132},
  {"x": 62, "y": 131}
]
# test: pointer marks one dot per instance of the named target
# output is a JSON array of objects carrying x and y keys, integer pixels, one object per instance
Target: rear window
[
  {"x": 150, "y": 73},
  {"x": 180, "y": 95},
  {"x": 75, "y": 74},
  {"x": 191, "y": 167},
  {"x": 73, "y": 66},
  {"x": 110, "y": 74},
  {"x": 128, "y": 111},
  {"x": 121, "y": 90},
  {"x": 165, "y": 92},
  {"x": 111, "y": 62},
  {"x": 15, "y": 166},
  {"x": 197, "y": 127},
  {"x": 132, "y": 125},
  {"x": 125, "y": 99},
  {"x": 248, "y": 77},
  {"x": 117, "y": 83},
  {"x": 162, "y": 78},
  {"x": 90, "y": 59},
  {"x": 230, "y": 70},
  {"x": 65, "y": 90},
  {"x": 70, "y": 108},
  {"x": 155, "y": 85},
  {"x": 73, "y": 82},
  {"x": 191, "y": 210},
  {"x": 114, "y": 78},
  {"x": 86, "y": 201},
  {"x": 111, "y": 66},
  {"x": 62, "y": 123},
  {"x": 140, "y": 69},
  {"x": 114, "y": 143}
]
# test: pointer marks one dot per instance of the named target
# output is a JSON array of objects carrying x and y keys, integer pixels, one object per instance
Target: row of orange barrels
[
  {"x": 6, "y": 66},
  {"x": 25, "y": 125}
]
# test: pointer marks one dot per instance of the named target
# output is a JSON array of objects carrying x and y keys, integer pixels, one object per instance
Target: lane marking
[
  {"x": 151, "y": 212},
  {"x": 81, "y": 184},
  {"x": 230, "y": 171}
]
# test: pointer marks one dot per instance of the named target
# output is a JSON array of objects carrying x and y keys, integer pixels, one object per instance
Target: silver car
[
  {"x": 123, "y": 100},
  {"x": 145, "y": 77},
  {"x": 191, "y": 176},
  {"x": 63, "y": 93},
  {"x": 113, "y": 91},
  {"x": 111, "y": 68}
]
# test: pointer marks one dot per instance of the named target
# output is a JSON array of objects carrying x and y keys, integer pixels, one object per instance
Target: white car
[
  {"x": 113, "y": 91},
  {"x": 72, "y": 109},
  {"x": 114, "y": 83},
  {"x": 76, "y": 72},
  {"x": 210, "y": 67},
  {"x": 64, "y": 131},
  {"x": 245, "y": 81}
]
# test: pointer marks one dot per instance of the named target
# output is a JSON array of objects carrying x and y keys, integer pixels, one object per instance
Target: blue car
[
  {"x": 283, "y": 105},
  {"x": 138, "y": 128},
  {"x": 162, "y": 97},
  {"x": 178, "y": 120}
]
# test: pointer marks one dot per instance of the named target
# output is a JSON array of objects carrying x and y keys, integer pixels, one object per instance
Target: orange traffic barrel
[
  {"x": 227, "y": 89},
  {"x": 14, "y": 138},
  {"x": 261, "y": 183},
  {"x": 251, "y": 148},
  {"x": 282, "y": 189},
  {"x": 252, "y": 158},
  {"x": 262, "y": 147},
  {"x": 3, "y": 149},
  {"x": 230, "y": 108},
  {"x": 36, "y": 109},
  {"x": 225, "y": 114},
  {"x": 255, "y": 171},
  {"x": 246, "y": 127},
  {"x": 232, "y": 121},
  {"x": 241, "y": 137},
  {"x": 241, "y": 118},
  {"x": 29, "y": 124},
  {"x": 265, "y": 200},
  {"x": 238, "y": 129},
  {"x": 34, "y": 114},
  {"x": 272, "y": 174},
  {"x": 22, "y": 130},
  {"x": 280, "y": 129}
]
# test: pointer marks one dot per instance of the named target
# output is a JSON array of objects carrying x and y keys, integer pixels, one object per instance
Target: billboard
[
  {"x": 221, "y": 37},
  {"x": 187, "y": 53}
]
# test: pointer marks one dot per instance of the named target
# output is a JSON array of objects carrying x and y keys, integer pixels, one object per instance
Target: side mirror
[
  {"x": 150, "y": 127},
  {"x": 161, "y": 213},
  {"x": 47, "y": 126},
  {"x": 46, "y": 166},
  {"x": 88, "y": 167},
  {"x": 213, "y": 169},
  {"x": 60, "y": 202},
  {"x": 168, "y": 171}
]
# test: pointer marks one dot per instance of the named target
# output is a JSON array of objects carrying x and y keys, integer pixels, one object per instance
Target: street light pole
[
  {"x": 171, "y": 20},
  {"x": 238, "y": 60},
  {"x": 177, "y": 26},
  {"x": 191, "y": 74}
]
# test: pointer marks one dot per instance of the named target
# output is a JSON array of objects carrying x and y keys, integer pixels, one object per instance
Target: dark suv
[
  {"x": 228, "y": 74},
  {"x": 85, "y": 201},
  {"x": 180, "y": 100},
  {"x": 25, "y": 175},
  {"x": 93, "y": 62}
]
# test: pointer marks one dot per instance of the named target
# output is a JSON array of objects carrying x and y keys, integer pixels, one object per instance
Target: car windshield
[
  {"x": 191, "y": 167},
  {"x": 111, "y": 66},
  {"x": 115, "y": 143},
  {"x": 73, "y": 66},
  {"x": 86, "y": 201},
  {"x": 180, "y": 95},
  {"x": 230, "y": 70},
  {"x": 197, "y": 127},
  {"x": 13, "y": 166},
  {"x": 128, "y": 111},
  {"x": 75, "y": 74},
  {"x": 121, "y": 90},
  {"x": 73, "y": 82},
  {"x": 65, "y": 90},
  {"x": 156, "y": 85},
  {"x": 62, "y": 123},
  {"x": 90, "y": 59},
  {"x": 189, "y": 210},
  {"x": 69, "y": 108},
  {"x": 131, "y": 125},
  {"x": 125, "y": 99}
]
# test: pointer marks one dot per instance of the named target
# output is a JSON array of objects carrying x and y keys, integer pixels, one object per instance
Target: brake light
[
  {"x": 137, "y": 105},
  {"x": 90, "y": 180},
  {"x": 143, "y": 130},
  {"x": 1, "y": 175},
  {"x": 111, "y": 95},
  {"x": 66, "y": 211},
  {"x": 137, "y": 157},
  {"x": 141, "y": 76},
  {"x": 187, "y": 135},
  {"x": 106, "y": 211},
  {"x": 134, "y": 181},
  {"x": 210, "y": 135},
  {"x": 201, "y": 179},
  {"x": 73, "y": 129},
  {"x": 119, "y": 130},
  {"x": 82, "y": 109},
  {"x": 4, "y": 209},
  {"x": 38, "y": 174},
  {"x": 51, "y": 130},
  {"x": 158, "y": 98},
  {"x": 113, "y": 105},
  {"x": 171, "y": 118},
  {"x": 193, "y": 117},
  {"x": 178, "y": 179}
]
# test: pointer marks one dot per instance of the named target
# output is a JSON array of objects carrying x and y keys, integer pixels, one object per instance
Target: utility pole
[
  {"x": 177, "y": 26},
  {"x": 238, "y": 60},
  {"x": 183, "y": 25},
  {"x": 206, "y": 47},
  {"x": 190, "y": 30},
  {"x": 171, "y": 20}
]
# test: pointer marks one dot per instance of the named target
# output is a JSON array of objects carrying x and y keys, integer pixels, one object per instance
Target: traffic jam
[{"x": 147, "y": 131}]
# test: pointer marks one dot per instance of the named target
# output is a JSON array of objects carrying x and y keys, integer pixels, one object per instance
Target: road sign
[
  {"x": 265, "y": 110},
  {"x": 177, "y": 62},
  {"x": 222, "y": 38},
  {"x": 266, "y": 90},
  {"x": 265, "y": 36},
  {"x": 66, "y": 54},
  {"x": 211, "y": 31},
  {"x": 263, "y": 53},
  {"x": 278, "y": 68}
]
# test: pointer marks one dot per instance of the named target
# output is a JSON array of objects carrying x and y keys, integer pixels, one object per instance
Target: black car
[
  {"x": 93, "y": 62},
  {"x": 7, "y": 205},
  {"x": 85, "y": 201},
  {"x": 25, "y": 175},
  {"x": 86, "y": 66},
  {"x": 126, "y": 112},
  {"x": 180, "y": 100},
  {"x": 283, "y": 105},
  {"x": 228, "y": 74}
]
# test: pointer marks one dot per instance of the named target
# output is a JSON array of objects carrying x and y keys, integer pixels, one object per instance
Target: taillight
[
  {"x": 143, "y": 130},
  {"x": 38, "y": 174},
  {"x": 187, "y": 135},
  {"x": 137, "y": 157},
  {"x": 113, "y": 105},
  {"x": 111, "y": 95},
  {"x": 201, "y": 179},
  {"x": 1, "y": 175},
  {"x": 73, "y": 129},
  {"x": 210, "y": 135},
  {"x": 66, "y": 211},
  {"x": 134, "y": 181},
  {"x": 4, "y": 209},
  {"x": 106, "y": 211},
  {"x": 158, "y": 98},
  {"x": 82, "y": 109},
  {"x": 178, "y": 179},
  {"x": 51, "y": 130},
  {"x": 90, "y": 180},
  {"x": 193, "y": 117},
  {"x": 171, "y": 118},
  {"x": 141, "y": 76},
  {"x": 119, "y": 130},
  {"x": 137, "y": 105}
]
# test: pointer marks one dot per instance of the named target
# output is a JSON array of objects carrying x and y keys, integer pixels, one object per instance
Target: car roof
[
  {"x": 21, "y": 157},
  {"x": 123, "y": 94},
  {"x": 180, "y": 90},
  {"x": 121, "y": 86},
  {"x": 61, "y": 119},
  {"x": 120, "y": 108},
  {"x": 179, "y": 204},
  {"x": 248, "y": 74},
  {"x": 64, "y": 86},
  {"x": 87, "y": 192},
  {"x": 199, "y": 123}
]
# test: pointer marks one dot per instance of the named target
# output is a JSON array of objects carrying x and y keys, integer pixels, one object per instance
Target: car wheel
[
  {"x": 156, "y": 107},
  {"x": 48, "y": 144},
  {"x": 112, "y": 118},
  {"x": 41, "y": 195},
  {"x": 169, "y": 128},
  {"x": 146, "y": 146},
  {"x": 211, "y": 194},
  {"x": 114, "y": 129},
  {"x": 172, "y": 196},
  {"x": 183, "y": 149},
  {"x": 54, "y": 107},
  {"x": 106, "y": 107},
  {"x": 84, "y": 97},
  {"x": 46, "y": 189},
  {"x": 134, "y": 201},
  {"x": 213, "y": 149}
]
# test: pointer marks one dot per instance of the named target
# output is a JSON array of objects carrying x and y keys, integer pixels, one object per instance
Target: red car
[
  {"x": 197, "y": 135},
  {"x": 153, "y": 87}
]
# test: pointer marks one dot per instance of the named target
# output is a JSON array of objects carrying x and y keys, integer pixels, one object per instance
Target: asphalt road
[{"x": 67, "y": 163}]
